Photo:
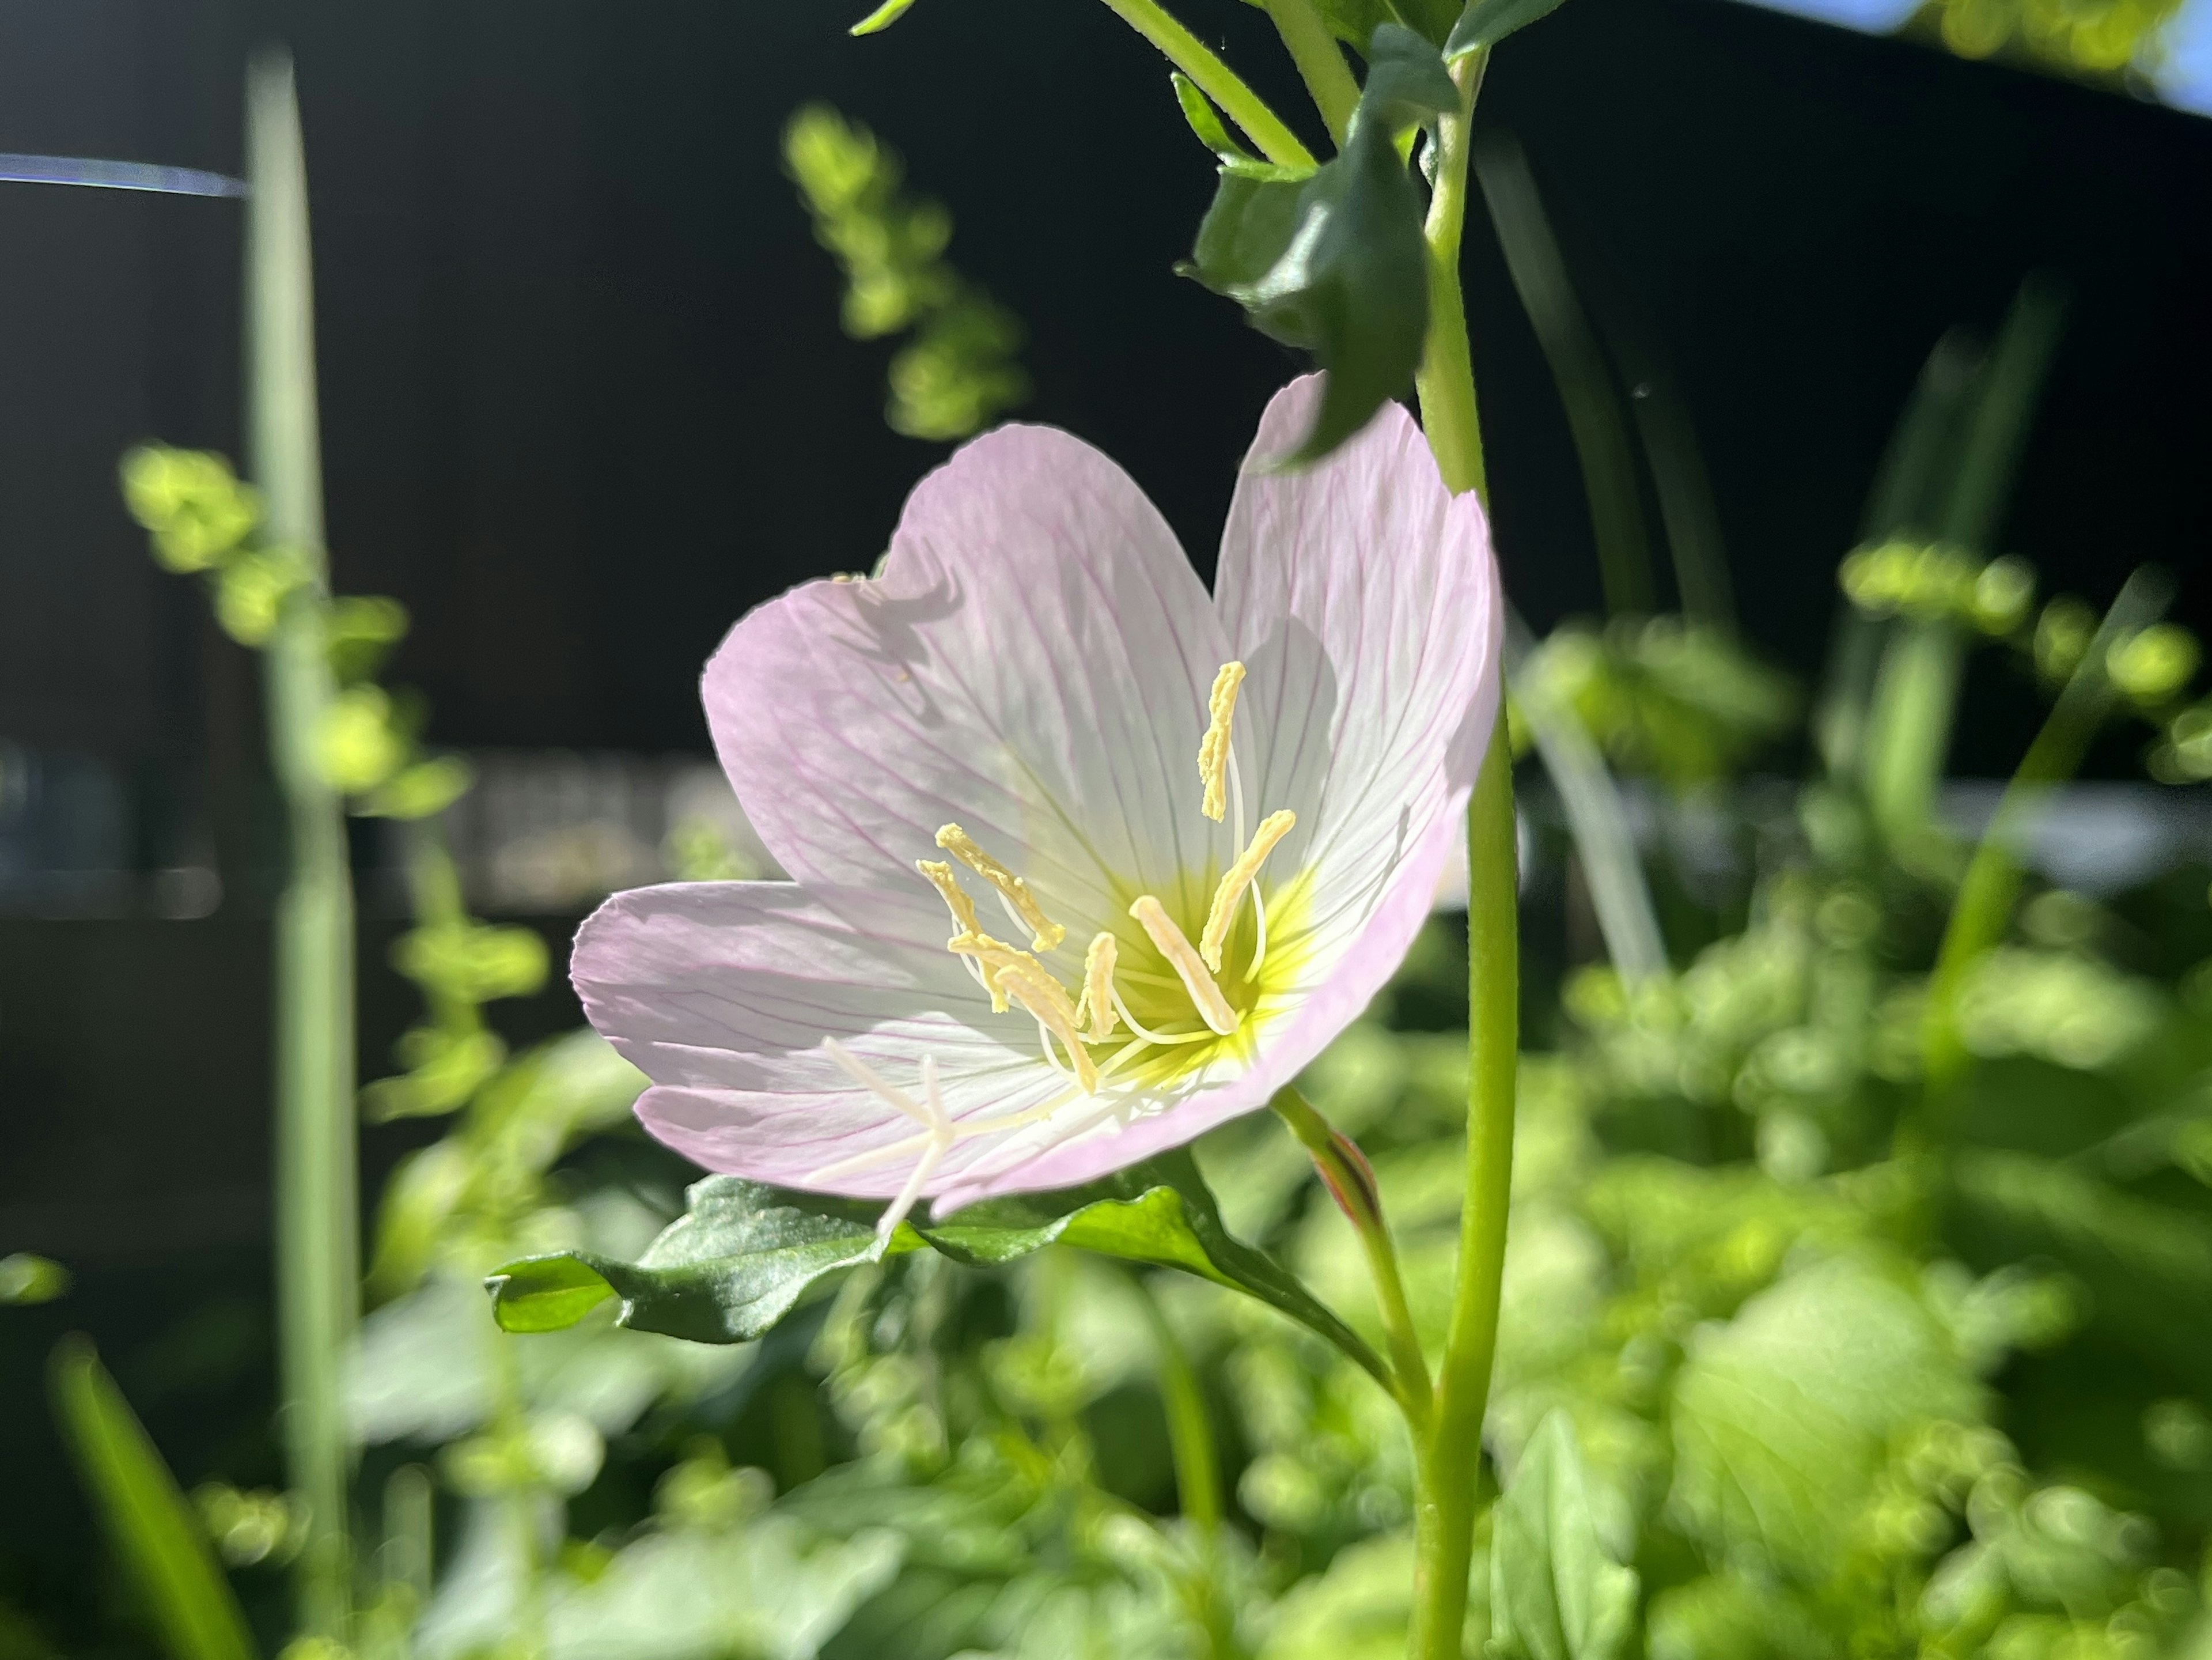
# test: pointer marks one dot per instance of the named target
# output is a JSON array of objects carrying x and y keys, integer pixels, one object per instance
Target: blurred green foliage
[
  {"x": 2099, "y": 39},
  {"x": 959, "y": 370}
]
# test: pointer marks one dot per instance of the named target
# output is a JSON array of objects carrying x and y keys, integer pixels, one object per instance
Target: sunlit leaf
[
  {"x": 1556, "y": 1591},
  {"x": 882, "y": 17},
  {"x": 1781, "y": 1416},
  {"x": 26, "y": 1280},
  {"x": 745, "y": 1253},
  {"x": 1335, "y": 261},
  {"x": 1206, "y": 121},
  {"x": 1485, "y": 22},
  {"x": 153, "y": 1528}
]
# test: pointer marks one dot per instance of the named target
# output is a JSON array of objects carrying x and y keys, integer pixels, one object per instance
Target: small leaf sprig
[
  {"x": 203, "y": 520},
  {"x": 959, "y": 370}
]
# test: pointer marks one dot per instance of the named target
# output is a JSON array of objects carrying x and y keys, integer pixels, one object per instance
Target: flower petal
[
  {"x": 1032, "y": 664},
  {"x": 722, "y": 992},
  {"x": 1363, "y": 599}
]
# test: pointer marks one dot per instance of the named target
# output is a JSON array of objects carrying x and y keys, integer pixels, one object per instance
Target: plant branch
[
  {"x": 1990, "y": 888},
  {"x": 1446, "y": 377},
  {"x": 1215, "y": 79},
  {"x": 1449, "y": 1458},
  {"x": 1328, "y": 78},
  {"x": 1344, "y": 1170},
  {"x": 317, "y": 1197}
]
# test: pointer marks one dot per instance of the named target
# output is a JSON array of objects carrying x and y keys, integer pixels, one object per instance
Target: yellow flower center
[{"x": 1156, "y": 997}]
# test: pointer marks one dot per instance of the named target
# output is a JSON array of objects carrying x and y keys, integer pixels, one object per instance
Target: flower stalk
[
  {"x": 1328, "y": 78},
  {"x": 1448, "y": 1455},
  {"x": 1344, "y": 1169},
  {"x": 318, "y": 1227}
]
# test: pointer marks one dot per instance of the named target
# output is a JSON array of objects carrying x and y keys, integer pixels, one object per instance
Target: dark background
[{"x": 586, "y": 400}]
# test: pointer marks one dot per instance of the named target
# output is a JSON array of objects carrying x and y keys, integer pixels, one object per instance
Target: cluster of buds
[
  {"x": 2151, "y": 668},
  {"x": 1938, "y": 582},
  {"x": 203, "y": 520}
]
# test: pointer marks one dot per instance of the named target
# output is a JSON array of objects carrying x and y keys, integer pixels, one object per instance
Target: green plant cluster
[{"x": 960, "y": 370}]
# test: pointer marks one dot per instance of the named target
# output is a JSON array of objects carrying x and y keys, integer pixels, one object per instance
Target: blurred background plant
[{"x": 1857, "y": 1235}]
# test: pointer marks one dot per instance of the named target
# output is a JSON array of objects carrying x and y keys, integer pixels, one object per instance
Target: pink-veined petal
[
  {"x": 1363, "y": 598},
  {"x": 1032, "y": 665},
  {"x": 722, "y": 993}
]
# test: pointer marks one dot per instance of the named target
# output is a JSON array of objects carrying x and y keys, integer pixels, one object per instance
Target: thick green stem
[
  {"x": 1447, "y": 1459},
  {"x": 1216, "y": 79},
  {"x": 1447, "y": 1476},
  {"x": 1345, "y": 1170},
  {"x": 1446, "y": 377},
  {"x": 1321, "y": 65},
  {"x": 318, "y": 1227}
]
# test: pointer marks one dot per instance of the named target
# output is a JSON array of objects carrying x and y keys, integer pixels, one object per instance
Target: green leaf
[
  {"x": 744, "y": 1253},
  {"x": 152, "y": 1527},
  {"x": 25, "y": 1279},
  {"x": 421, "y": 791},
  {"x": 1781, "y": 1417},
  {"x": 1206, "y": 120},
  {"x": 1336, "y": 261},
  {"x": 1556, "y": 1591},
  {"x": 1485, "y": 22},
  {"x": 882, "y": 17},
  {"x": 1354, "y": 22}
]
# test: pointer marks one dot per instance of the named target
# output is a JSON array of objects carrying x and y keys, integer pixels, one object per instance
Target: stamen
[
  {"x": 1098, "y": 995},
  {"x": 1213, "y": 752},
  {"x": 1046, "y": 933},
  {"x": 1149, "y": 1035},
  {"x": 1212, "y": 1008},
  {"x": 955, "y": 896},
  {"x": 1221, "y": 916},
  {"x": 1016, "y": 974}
]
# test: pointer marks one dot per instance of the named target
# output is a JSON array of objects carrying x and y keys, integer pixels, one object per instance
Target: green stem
[
  {"x": 1447, "y": 1459},
  {"x": 1321, "y": 65},
  {"x": 1190, "y": 1431},
  {"x": 1446, "y": 377},
  {"x": 317, "y": 1196},
  {"x": 1344, "y": 1170},
  {"x": 1216, "y": 79},
  {"x": 1990, "y": 888},
  {"x": 1450, "y": 1464}
]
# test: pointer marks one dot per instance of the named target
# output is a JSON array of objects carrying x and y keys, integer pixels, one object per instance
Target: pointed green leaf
[
  {"x": 1556, "y": 1592},
  {"x": 152, "y": 1527},
  {"x": 882, "y": 17},
  {"x": 1485, "y": 22},
  {"x": 1206, "y": 120},
  {"x": 1336, "y": 263},
  {"x": 745, "y": 1254}
]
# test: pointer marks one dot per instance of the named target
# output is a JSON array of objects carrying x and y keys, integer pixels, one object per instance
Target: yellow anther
[
  {"x": 955, "y": 896},
  {"x": 1214, "y": 748},
  {"x": 1212, "y": 1008},
  {"x": 1098, "y": 1004},
  {"x": 1221, "y": 915},
  {"x": 1046, "y": 932},
  {"x": 1010, "y": 972}
]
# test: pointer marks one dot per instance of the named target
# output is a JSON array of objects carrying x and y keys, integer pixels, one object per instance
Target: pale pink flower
[{"x": 993, "y": 970}]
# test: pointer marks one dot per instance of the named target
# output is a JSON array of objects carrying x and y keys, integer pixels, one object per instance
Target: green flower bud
[
  {"x": 357, "y": 743},
  {"x": 2002, "y": 595},
  {"x": 2153, "y": 664},
  {"x": 2062, "y": 634}
]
